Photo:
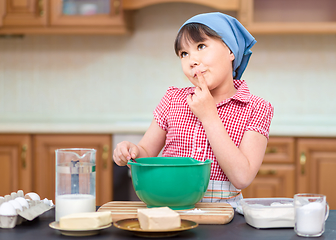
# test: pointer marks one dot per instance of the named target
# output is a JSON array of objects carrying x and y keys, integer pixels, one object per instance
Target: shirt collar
[{"x": 243, "y": 93}]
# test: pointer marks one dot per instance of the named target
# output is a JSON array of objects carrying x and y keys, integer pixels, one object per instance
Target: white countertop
[
  {"x": 277, "y": 129},
  {"x": 98, "y": 128}
]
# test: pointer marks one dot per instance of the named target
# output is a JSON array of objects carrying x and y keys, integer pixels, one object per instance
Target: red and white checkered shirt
[{"x": 186, "y": 136}]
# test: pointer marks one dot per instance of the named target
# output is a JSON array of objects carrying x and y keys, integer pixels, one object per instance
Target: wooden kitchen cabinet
[
  {"x": 44, "y": 162},
  {"x": 27, "y": 162},
  {"x": 54, "y": 17},
  {"x": 276, "y": 176},
  {"x": 15, "y": 163},
  {"x": 23, "y": 13},
  {"x": 258, "y": 16},
  {"x": 113, "y": 17},
  {"x": 288, "y": 16},
  {"x": 269, "y": 17},
  {"x": 316, "y": 167},
  {"x": 228, "y": 5}
]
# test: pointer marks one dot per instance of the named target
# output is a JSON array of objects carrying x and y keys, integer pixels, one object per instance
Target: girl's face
[{"x": 210, "y": 57}]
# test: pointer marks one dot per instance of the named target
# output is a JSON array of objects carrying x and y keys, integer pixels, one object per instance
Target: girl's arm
[
  {"x": 153, "y": 141},
  {"x": 149, "y": 146},
  {"x": 239, "y": 164}
]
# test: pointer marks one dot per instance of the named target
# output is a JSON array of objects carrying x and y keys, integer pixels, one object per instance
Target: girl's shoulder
[
  {"x": 179, "y": 92},
  {"x": 259, "y": 100},
  {"x": 260, "y": 104},
  {"x": 244, "y": 94}
]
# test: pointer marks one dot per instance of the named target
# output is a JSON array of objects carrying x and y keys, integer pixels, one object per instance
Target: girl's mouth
[{"x": 195, "y": 75}]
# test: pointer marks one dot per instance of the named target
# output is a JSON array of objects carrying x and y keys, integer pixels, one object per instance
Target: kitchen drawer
[{"x": 280, "y": 150}]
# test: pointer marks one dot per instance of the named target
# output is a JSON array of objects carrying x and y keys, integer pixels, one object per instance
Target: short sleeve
[
  {"x": 261, "y": 118},
  {"x": 162, "y": 110}
]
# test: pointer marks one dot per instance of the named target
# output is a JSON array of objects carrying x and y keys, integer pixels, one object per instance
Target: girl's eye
[
  {"x": 201, "y": 46},
  {"x": 183, "y": 54}
]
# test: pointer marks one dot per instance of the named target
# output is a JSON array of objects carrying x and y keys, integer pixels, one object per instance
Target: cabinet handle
[
  {"x": 267, "y": 172},
  {"x": 24, "y": 149},
  {"x": 271, "y": 150},
  {"x": 41, "y": 7},
  {"x": 303, "y": 161},
  {"x": 116, "y": 7},
  {"x": 105, "y": 155}
]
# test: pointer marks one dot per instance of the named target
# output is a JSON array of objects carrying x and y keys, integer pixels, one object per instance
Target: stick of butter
[
  {"x": 85, "y": 220},
  {"x": 160, "y": 218}
]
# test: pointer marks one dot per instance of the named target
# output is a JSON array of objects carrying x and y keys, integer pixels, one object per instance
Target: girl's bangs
[{"x": 193, "y": 33}]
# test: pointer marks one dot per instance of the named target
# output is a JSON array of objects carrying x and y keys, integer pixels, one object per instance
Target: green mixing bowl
[{"x": 175, "y": 182}]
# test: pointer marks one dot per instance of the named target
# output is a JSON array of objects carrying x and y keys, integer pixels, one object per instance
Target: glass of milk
[
  {"x": 311, "y": 212},
  {"x": 75, "y": 181}
]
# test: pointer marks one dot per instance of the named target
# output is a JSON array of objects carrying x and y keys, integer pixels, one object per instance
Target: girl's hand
[
  {"x": 124, "y": 152},
  {"x": 201, "y": 103}
]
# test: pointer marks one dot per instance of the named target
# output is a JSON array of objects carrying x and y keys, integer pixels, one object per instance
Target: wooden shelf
[
  {"x": 292, "y": 28},
  {"x": 230, "y": 5}
]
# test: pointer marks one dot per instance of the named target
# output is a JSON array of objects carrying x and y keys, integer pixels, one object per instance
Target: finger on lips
[{"x": 201, "y": 80}]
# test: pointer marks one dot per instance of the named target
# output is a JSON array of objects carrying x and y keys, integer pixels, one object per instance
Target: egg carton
[{"x": 30, "y": 204}]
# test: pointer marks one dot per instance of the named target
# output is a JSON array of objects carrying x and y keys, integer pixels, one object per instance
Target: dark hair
[{"x": 193, "y": 32}]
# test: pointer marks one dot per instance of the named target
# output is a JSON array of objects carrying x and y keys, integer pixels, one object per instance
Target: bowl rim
[{"x": 198, "y": 163}]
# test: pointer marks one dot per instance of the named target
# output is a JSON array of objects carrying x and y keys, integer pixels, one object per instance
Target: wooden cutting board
[{"x": 204, "y": 213}]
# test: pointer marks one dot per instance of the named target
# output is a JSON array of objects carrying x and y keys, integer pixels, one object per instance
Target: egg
[
  {"x": 16, "y": 205},
  {"x": 32, "y": 196},
  {"x": 20, "y": 193},
  {"x": 22, "y": 201},
  {"x": 14, "y": 195},
  {"x": 48, "y": 202},
  {"x": 6, "y": 209}
]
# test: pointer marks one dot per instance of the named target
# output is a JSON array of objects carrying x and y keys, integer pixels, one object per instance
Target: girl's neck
[{"x": 223, "y": 92}]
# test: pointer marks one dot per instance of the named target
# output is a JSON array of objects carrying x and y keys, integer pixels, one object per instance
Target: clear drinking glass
[
  {"x": 311, "y": 212},
  {"x": 75, "y": 181}
]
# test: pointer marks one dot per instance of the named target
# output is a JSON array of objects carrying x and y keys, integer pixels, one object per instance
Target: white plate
[{"x": 77, "y": 232}]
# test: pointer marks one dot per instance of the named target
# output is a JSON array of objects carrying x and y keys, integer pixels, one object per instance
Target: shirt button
[{"x": 199, "y": 149}]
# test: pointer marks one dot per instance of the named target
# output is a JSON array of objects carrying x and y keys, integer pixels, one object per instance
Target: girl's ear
[{"x": 232, "y": 56}]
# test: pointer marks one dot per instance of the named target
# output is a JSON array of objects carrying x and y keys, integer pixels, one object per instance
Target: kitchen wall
[{"x": 97, "y": 80}]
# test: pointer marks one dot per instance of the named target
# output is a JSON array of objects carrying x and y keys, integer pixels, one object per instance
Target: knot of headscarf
[{"x": 234, "y": 35}]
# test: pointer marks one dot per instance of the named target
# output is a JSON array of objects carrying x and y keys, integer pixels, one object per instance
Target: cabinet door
[
  {"x": 316, "y": 168},
  {"x": 15, "y": 163},
  {"x": 20, "y": 13},
  {"x": 272, "y": 180},
  {"x": 44, "y": 168},
  {"x": 86, "y": 13}
]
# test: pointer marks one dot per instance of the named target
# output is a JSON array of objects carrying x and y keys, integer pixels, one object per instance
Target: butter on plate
[
  {"x": 85, "y": 220},
  {"x": 160, "y": 218}
]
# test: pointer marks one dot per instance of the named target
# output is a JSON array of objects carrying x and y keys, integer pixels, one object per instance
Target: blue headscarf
[{"x": 234, "y": 35}]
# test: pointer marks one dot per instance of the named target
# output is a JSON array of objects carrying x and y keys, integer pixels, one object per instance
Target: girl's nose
[{"x": 194, "y": 62}]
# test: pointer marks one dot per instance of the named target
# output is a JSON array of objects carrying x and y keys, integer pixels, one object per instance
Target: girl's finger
[
  {"x": 201, "y": 81},
  {"x": 189, "y": 99},
  {"x": 134, "y": 151}
]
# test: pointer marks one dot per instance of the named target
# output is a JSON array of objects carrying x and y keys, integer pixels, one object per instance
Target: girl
[{"x": 218, "y": 118}]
